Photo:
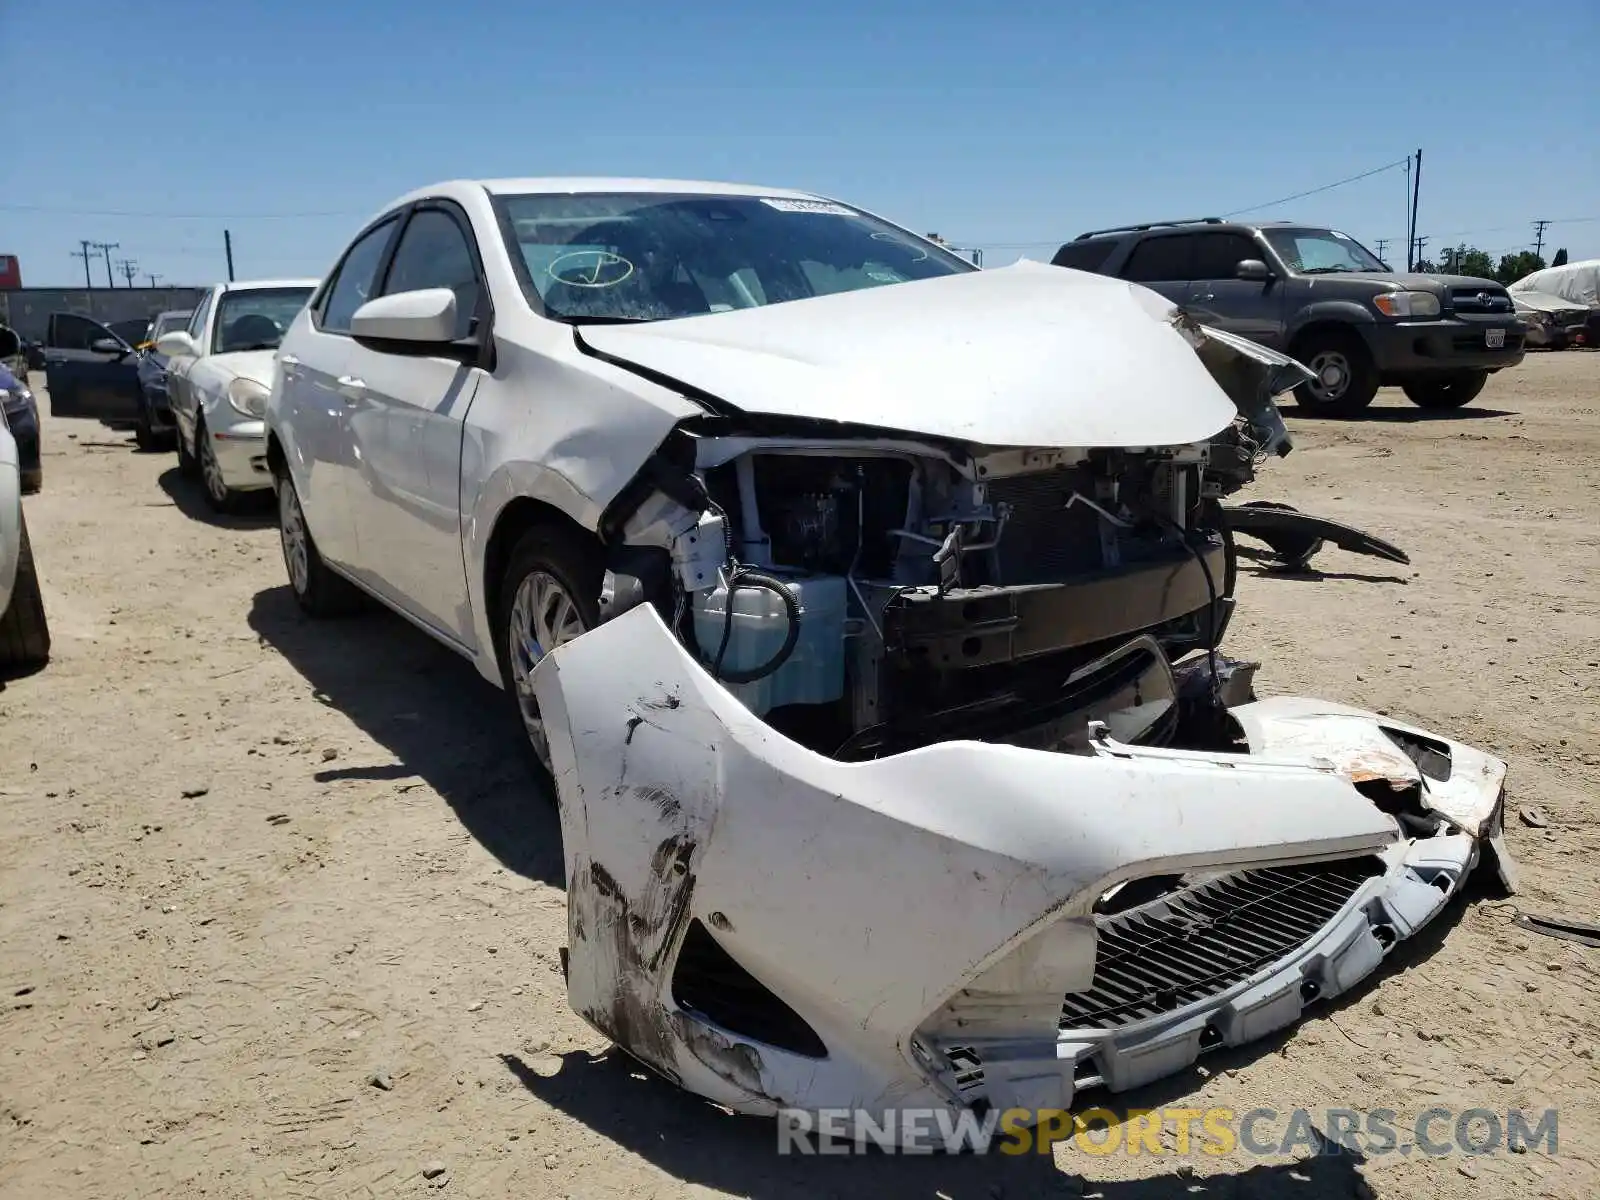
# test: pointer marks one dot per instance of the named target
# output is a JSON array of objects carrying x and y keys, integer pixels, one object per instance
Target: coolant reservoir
[{"x": 812, "y": 674}]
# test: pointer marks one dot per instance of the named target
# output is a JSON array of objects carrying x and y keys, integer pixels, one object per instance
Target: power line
[
  {"x": 1327, "y": 187},
  {"x": 172, "y": 216}
]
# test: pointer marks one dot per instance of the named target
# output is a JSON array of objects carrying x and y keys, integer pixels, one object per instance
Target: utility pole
[
  {"x": 1418, "y": 243},
  {"x": 129, "y": 269},
  {"x": 227, "y": 245},
  {"x": 84, "y": 254},
  {"x": 1538, "y": 238},
  {"x": 152, "y": 278},
  {"x": 107, "y": 248},
  {"x": 1382, "y": 243},
  {"x": 1416, "y": 194}
]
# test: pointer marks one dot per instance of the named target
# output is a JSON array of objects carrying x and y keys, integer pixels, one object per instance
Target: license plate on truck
[{"x": 1494, "y": 339}]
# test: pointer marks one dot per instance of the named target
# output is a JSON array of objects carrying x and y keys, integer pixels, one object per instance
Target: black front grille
[
  {"x": 1195, "y": 943},
  {"x": 1044, "y": 540},
  {"x": 1480, "y": 300}
]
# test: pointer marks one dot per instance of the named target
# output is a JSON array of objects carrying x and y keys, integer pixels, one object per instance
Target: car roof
[
  {"x": 507, "y": 187},
  {"x": 251, "y": 285}
]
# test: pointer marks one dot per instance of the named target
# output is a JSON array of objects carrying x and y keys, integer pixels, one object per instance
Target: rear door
[
  {"x": 1252, "y": 308},
  {"x": 1162, "y": 262},
  {"x": 84, "y": 382}
]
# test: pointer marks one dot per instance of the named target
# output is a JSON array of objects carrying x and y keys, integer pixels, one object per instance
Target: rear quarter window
[{"x": 1084, "y": 256}]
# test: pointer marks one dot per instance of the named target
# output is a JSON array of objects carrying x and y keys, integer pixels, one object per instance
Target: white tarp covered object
[{"x": 1579, "y": 282}]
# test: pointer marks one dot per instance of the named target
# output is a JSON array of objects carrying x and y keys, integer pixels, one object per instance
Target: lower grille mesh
[{"x": 1199, "y": 942}]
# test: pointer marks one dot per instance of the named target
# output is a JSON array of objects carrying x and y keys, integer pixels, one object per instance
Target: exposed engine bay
[{"x": 867, "y": 595}]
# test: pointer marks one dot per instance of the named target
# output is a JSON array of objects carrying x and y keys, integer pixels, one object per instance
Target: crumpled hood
[
  {"x": 249, "y": 364},
  {"x": 1022, "y": 356}
]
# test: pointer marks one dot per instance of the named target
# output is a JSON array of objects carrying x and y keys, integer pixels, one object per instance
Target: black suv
[{"x": 1322, "y": 297}]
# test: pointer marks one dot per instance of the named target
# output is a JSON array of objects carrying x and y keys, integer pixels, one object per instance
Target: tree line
[{"x": 1469, "y": 260}]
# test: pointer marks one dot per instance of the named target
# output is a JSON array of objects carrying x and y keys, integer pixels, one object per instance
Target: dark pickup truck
[{"x": 1322, "y": 297}]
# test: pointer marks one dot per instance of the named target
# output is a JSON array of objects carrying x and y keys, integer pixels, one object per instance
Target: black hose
[{"x": 744, "y": 578}]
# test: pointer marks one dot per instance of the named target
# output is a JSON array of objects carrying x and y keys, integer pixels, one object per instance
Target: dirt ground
[{"x": 280, "y": 910}]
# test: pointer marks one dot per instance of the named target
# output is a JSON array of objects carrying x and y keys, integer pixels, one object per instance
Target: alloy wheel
[
  {"x": 543, "y": 616},
  {"x": 292, "y": 533}
]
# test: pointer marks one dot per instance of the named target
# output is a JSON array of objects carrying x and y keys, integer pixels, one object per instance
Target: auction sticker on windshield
[{"x": 825, "y": 207}]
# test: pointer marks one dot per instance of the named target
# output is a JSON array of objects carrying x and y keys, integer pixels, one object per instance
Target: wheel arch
[{"x": 515, "y": 518}]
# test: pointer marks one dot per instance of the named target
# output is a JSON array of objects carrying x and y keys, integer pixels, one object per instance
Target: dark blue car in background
[
  {"x": 22, "y": 415},
  {"x": 156, "y": 430}
]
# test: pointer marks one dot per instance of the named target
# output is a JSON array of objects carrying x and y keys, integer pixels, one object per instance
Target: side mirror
[
  {"x": 177, "y": 344},
  {"x": 1252, "y": 270},
  {"x": 109, "y": 346},
  {"x": 425, "y": 317}
]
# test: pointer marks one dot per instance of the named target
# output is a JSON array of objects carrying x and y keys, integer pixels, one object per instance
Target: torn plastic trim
[
  {"x": 677, "y": 804},
  {"x": 1360, "y": 745}
]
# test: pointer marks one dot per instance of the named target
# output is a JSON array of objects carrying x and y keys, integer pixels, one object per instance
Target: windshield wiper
[
  {"x": 581, "y": 319},
  {"x": 1328, "y": 270}
]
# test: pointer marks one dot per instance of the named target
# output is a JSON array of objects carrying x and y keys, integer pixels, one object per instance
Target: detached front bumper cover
[{"x": 773, "y": 929}]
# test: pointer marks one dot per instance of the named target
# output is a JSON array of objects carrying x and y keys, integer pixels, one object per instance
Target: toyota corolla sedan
[
  {"x": 219, "y": 372},
  {"x": 862, "y": 607}
]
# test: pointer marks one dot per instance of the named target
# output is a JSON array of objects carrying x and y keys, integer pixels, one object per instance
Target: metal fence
[{"x": 28, "y": 309}]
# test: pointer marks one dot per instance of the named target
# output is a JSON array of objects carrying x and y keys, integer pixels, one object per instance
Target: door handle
[{"x": 351, "y": 388}]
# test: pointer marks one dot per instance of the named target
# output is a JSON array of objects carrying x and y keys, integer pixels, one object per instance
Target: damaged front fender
[{"x": 769, "y": 927}]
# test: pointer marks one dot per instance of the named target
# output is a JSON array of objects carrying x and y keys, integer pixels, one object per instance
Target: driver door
[{"x": 84, "y": 382}]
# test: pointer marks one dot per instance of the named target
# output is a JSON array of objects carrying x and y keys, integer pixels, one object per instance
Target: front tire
[
  {"x": 317, "y": 589},
  {"x": 1456, "y": 389},
  {"x": 188, "y": 464},
  {"x": 549, "y": 595},
  {"x": 219, "y": 496},
  {"x": 24, "y": 632},
  {"x": 1346, "y": 377}
]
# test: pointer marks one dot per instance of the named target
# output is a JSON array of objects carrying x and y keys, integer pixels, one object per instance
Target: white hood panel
[{"x": 1023, "y": 356}]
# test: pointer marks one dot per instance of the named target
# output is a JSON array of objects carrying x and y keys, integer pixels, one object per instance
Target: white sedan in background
[{"x": 219, "y": 375}]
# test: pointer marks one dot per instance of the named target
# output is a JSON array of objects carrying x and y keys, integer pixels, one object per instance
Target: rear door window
[
  {"x": 1165, "y": 258},
  {"x": 1084, "y": 256}
]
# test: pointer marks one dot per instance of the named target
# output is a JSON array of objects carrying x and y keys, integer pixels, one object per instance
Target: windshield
[
  {"x": 1322, "y": 251},
  {"x": 256, "y": 319},
  {"x": 651, "y": 257}
]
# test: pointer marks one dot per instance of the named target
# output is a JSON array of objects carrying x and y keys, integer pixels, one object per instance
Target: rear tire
[
  {"x": 1347, "y": 378},
  {"x": 317, "y": 589},
  {"x": 24, "y": 632},
  {"x": 551, "y": 586},
  {"x": 1457, "y": 389}
]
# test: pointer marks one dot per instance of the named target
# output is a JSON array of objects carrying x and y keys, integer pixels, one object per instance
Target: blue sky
[{"x": 995, "y": 124}]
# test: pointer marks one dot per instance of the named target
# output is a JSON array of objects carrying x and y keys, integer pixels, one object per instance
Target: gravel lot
[{"x": 280, "y": 911}]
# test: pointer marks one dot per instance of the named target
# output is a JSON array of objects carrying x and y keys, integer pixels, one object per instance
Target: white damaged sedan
[{"x": 862, "y": 607}]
